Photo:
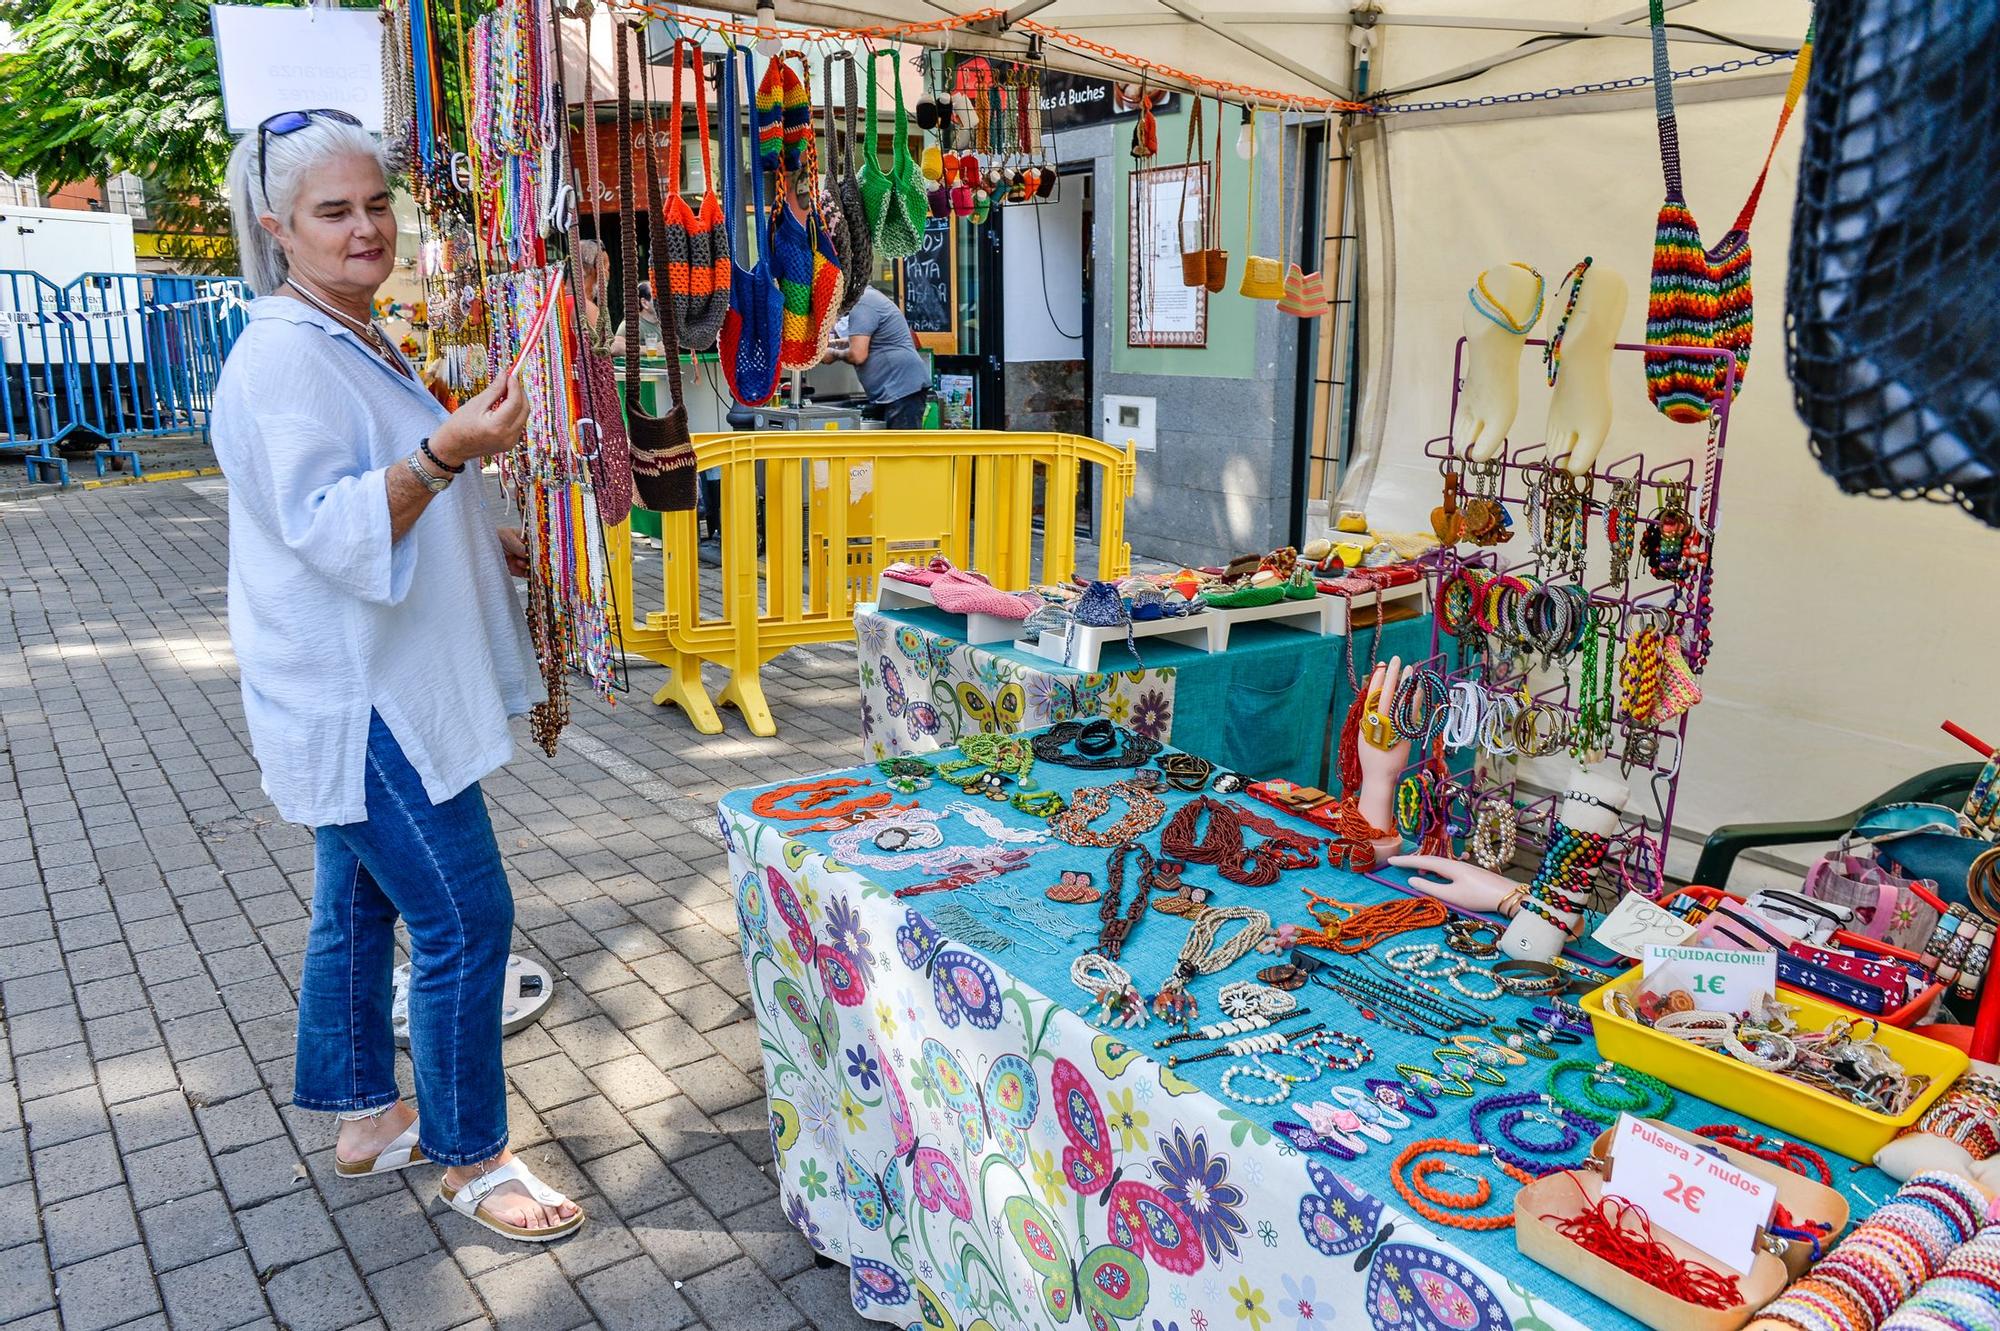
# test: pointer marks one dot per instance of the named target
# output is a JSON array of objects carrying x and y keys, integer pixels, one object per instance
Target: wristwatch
[{"x": 434, "y": 483}]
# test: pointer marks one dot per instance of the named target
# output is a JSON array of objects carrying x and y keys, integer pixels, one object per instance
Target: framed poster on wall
[{"x": 1159, "y": 310}]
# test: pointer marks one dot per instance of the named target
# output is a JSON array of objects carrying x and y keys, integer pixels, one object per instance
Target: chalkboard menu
[{"x": 927, "y": 294}]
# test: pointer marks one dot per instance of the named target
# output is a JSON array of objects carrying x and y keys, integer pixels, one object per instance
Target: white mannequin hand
[{"x": 1457, "y": 883}]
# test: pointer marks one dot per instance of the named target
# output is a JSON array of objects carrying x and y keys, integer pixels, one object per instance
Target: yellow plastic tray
[{"x": 1793, "y": 1108}]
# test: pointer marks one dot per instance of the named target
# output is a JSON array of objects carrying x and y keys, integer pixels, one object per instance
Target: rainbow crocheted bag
[
  {"x": 809, "y": 276},
  {"x": 754, "y": 326},
  {"x": 1700, "y": 297}
]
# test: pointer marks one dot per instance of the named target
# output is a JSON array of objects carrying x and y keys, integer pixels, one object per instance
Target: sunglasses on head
[{"x": 290, "y": 122}]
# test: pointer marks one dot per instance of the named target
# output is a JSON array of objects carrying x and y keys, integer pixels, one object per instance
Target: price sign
[
  {"x": 1719, "y": 980},
  {"x": 1697, "y": 1197},
  {"x": 1637, "y": 922}
]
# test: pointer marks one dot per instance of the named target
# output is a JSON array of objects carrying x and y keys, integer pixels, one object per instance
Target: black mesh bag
[{"x": 1893, "y": 307}]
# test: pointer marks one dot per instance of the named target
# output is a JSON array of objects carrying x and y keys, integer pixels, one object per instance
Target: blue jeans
[{"x": 438, "y": 866}]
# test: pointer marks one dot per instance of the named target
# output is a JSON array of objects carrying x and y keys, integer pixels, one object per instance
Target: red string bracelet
[
  {"x": 1801, "y": 1160},
  {"x": 1619, "y": 1232}
]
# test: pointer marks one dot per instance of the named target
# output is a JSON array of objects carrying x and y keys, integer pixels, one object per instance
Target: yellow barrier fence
[{"x": 810, "y": 518}]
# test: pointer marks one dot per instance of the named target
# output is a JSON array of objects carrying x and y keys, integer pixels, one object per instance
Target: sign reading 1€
[{"x": 1717, "y": 979}]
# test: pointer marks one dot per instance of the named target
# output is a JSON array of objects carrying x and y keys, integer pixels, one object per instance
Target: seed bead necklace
[
  {"x": 1201, "y": 955},
  {"x": 1091, "y": 802}
]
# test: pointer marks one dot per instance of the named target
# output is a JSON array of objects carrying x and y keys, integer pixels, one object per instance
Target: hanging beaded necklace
[{"x": 1552, "y": 353}]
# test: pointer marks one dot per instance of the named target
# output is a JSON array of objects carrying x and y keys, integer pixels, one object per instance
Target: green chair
[{"x": 1949, "y": 785}]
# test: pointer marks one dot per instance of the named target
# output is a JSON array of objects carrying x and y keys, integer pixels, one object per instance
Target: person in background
[
  {"x": 593, "y": 266},
  {"x": 875, "y": 339},
  {"x": 650, "y": 334}
]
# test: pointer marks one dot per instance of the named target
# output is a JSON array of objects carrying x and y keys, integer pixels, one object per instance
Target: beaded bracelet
[
  {"x": 1358, "y": 1049},
  {"x": 1644, "y": 1095},
  {"x": 1312, "y": 1073},
  {"x": 1434, "y": 1086},
  {"x": 1400, "y": 1096},
  {"x": 1282, "y": 1092}
]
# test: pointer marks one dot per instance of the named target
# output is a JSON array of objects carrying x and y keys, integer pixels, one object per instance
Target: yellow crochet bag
[{"x": 1263, "y": 278}]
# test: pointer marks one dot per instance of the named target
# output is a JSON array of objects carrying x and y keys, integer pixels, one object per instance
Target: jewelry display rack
[{"x": 1624, "y": 604}]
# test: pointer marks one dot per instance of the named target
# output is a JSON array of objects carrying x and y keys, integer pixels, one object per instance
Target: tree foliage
[{"x": 93, "y": 87}]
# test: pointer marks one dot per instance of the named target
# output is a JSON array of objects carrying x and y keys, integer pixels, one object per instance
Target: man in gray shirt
[{"x": 876, "y": 341}]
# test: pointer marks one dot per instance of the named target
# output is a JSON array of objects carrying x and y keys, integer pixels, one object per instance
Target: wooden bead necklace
[
  {"x": 1114, "y": 928},
  {"x": 1222, "y": 845},
  {"x": 815, "y": 799},
  {"x": 1092, "y": 802},
  {"x": 1449, "y": 1208}
]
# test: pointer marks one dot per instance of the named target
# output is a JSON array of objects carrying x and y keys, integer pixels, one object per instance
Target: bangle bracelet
[
  {"x": 1529, "y": 978},
  {"x": 436, "y": 461}
]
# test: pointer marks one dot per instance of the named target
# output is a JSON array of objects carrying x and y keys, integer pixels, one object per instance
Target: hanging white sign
[{"x": 310, "y": 59}]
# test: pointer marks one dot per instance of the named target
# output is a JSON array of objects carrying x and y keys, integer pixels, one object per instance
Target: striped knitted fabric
[
  {"x": 786, "y": 116},
  {"x": 792, "y": 256}
]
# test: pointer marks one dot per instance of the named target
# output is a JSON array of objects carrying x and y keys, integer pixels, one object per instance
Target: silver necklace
[{"x": 369, "y": 333}]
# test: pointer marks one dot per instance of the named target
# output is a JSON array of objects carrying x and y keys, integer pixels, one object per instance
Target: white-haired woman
[{"x": 382, "y": 650}]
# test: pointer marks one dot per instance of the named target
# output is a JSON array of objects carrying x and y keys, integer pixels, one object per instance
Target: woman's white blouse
[{"x": 329, "y": 617}]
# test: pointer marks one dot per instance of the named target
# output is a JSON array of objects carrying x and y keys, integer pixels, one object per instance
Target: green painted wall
[{"x": 1231, "y": 352}]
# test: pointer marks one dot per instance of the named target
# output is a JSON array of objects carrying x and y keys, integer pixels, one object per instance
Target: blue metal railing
[{"x": 106, "y": 358}]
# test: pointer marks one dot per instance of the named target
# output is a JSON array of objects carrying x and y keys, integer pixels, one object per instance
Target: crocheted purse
[
  {"x": 1101, "y": 606},
  {"x": 662, "y": 449},
  {"x": 809, "y": 277},
  {"x": 847, "y": 219},
  {"x": 894, "y": 199},
  {"x": 1305, "y": 293},
  {"x": 752, "y": 329},
  {"x": 696, "y": 242},
  {"x": 1207, "y": 266},
  {"x": 1700, "y": 297},
  {"x": 1263, "y": 278}
]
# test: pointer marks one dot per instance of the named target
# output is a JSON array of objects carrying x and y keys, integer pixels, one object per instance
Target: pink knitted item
[
  {"x": 963, "y": 593},
  {"x": 923, "y": 577},
  {"x": 1678, "y": 690}
]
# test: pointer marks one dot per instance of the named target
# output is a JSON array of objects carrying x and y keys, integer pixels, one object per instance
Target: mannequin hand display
[
  {"x": 1591, "y": 804},
  {"x": 1580, "y": 406},
  {"x": 1502, "y": 308},
  {"x": 1457, "y": 883},
  {"x": 1381, "y": 766}
]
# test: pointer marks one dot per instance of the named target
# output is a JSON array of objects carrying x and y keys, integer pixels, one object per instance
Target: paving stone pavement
[{"x": 153, "y": 914}]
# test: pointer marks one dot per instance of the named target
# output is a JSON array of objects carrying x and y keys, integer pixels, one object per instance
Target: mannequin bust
[
  {"x": 1502, "y": 308},
  {"x": 1580, "y": 405}
]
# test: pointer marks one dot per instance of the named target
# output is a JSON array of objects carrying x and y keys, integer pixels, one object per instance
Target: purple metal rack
[{"x": 1624, "y": 603}]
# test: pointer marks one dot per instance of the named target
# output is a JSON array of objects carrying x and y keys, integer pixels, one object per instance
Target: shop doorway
[{"x": 1046, "y": 281}]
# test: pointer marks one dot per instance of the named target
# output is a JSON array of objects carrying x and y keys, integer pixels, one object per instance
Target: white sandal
[
  {"x": 398, "y": 1154},
  {"x": 468, "y": 1200}
]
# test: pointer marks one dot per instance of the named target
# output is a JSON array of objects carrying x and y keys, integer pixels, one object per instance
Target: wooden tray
[{"x": 1539, "y": 1241}]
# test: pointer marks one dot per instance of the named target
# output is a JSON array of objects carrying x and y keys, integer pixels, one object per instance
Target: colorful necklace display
[
  {"x": 1222, "y": 846},
  {"x": 1092, "y": 802}
]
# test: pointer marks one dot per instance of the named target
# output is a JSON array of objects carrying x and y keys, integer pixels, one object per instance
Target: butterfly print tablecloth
[{"x": 982, "y": 1159}]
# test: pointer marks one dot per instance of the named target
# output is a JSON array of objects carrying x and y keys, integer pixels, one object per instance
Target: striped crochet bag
[
  {"x": 755, "y": 322},
  {"x": 1700, "y": 297},
  {"x": 694, "y": 243},
  {"x": 809, "y": 277}
]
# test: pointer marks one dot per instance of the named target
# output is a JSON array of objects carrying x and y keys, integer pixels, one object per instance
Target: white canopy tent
[{"x": 1841, "y": 633}]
